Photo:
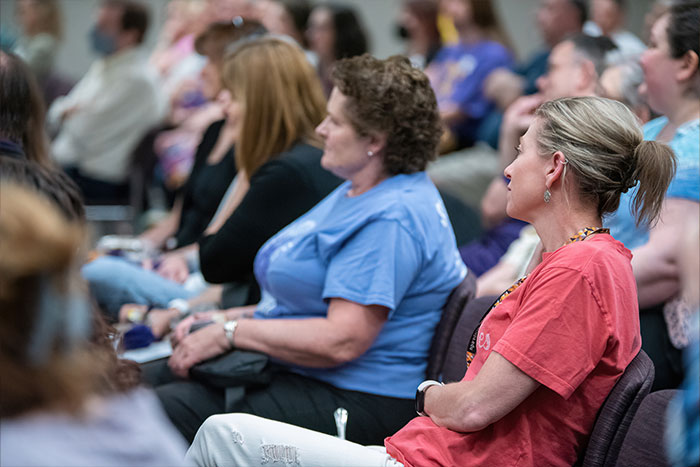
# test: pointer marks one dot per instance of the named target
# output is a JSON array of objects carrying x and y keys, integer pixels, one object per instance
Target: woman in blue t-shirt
[{"x": 351, "y": 291}]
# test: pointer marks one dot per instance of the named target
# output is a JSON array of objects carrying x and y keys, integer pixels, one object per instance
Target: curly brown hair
[{"x": 392, "y": 97}]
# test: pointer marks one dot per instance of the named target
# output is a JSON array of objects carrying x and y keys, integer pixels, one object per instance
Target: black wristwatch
[{"x": 420, "y": 395}]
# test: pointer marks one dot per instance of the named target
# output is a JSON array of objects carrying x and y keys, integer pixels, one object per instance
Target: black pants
[
  {"x": 289, "y": 398},
  {"x": 668, "y": 360},
  {"x": 98, "y": 191}
]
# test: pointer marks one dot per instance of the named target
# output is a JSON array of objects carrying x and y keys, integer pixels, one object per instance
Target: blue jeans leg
[{"x": 115, "y": 281}]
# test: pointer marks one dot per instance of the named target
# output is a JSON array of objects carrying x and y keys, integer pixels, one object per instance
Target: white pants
[{"x": 248, "y": 440}]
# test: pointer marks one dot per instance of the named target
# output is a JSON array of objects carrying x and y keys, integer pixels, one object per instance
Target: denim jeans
[{"x": 115, "y": 281}]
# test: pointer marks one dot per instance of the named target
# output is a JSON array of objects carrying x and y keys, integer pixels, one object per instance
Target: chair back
[
  {"x": 644, "y": 444},
  {"x": 455, "y": 365},
  {"x": 615, "y": 416},
  {"x": 454, "y": 307}
]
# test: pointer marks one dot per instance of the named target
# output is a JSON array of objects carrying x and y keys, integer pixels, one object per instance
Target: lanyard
[{"x": 580, "y": 236}]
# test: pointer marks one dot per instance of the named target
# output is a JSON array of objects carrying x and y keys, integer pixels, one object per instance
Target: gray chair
[
  {"x": 644, "y": 444},
  {"x": 456, "y": 303},
  {"x": 617, "y": 412}
]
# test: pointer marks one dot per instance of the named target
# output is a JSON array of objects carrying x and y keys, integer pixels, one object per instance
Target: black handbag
[{"x": 235, "y": 368}]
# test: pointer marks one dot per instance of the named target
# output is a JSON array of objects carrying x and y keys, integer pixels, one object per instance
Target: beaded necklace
[{"x": 580, "y": 236}]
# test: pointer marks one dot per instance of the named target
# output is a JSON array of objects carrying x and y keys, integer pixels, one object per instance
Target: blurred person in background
[
  {"x": 66, "y": 400},
  {"x": 417, "y": 25},
  {"x": 99, "y": 123},
  {"x": 555, "y": 20},
  {"x": 335, "y": 32},
  {"x": 287, "y": 18},
  {"x": 608, "y": 18},
  {"x": 682, "y": 436},
  {"x": 22, "y": 112},
  {"x": 41, "y": 23},
  {"x": 457, "y": 72},
  {"x": 671, "y": 85},
  {"x": 621, "y": 82},
  {"x": 116, "y": 281}
]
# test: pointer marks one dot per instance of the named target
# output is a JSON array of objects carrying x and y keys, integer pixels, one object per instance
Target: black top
[
  {"x": 280, "y": 191},
  {"x": 205, "y": 187}
]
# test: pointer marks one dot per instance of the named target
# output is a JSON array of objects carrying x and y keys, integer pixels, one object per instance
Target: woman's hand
[
  {"x": 183, "y": 327},
  {"x": 198, "y": 346},
  {"x": 159, "y": 321},
  {"x": 174, "y": 267}
]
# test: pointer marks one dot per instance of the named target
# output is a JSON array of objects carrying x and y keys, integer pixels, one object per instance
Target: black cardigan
[{"x": 281, "y": 190}]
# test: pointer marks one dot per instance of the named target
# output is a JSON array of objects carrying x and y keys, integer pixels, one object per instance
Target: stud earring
[
  {"x": 370, "y": 153},
  {"x": 547, "y": 195}
]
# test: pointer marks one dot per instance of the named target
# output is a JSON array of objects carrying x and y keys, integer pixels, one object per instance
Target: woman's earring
[
  {"x": 370, "y": 153},
  {"x": 547, "y": 195}
]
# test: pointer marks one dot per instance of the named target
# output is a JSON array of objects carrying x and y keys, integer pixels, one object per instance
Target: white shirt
[{"x": 118, "y": 101}]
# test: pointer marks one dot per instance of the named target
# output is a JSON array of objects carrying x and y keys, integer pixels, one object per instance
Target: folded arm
[{"x": 469, "y": 406}]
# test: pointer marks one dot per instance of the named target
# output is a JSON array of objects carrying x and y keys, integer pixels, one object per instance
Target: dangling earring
[
  {"x": 370, "y": 153},
  {"x": 547, "y": 195}
]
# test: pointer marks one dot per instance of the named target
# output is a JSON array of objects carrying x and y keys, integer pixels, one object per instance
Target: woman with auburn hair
[
  {"x": 352, "y": 290},
  {"x": 551, "y": 348},
  {"x": 66, "y": 400}
]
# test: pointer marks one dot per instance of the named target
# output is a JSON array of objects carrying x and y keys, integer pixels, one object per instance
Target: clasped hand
[{"x": 197, "y": 346}]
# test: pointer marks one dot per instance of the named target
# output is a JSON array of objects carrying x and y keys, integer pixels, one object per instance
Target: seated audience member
[
  {"x": 65, "y": 400},
  {"x": 214, "y": 165},
  {"x": 417, "y": 25},
  {"x": 682, "y": 416},
  {"x": 574, "y": 67},
  {"x": 353, "y": 289},
  {"x": 287, "y": 18},
  {"x": 41, "y": 25},
  {"x": 101, "y": 120},
  {"x": 334, "y": 32},
  {"x": 556, "y": 20},
  {"x": 549, "y": 351},
  {"x": 672, "y": 86},
  {"x": 276, "y": 102},
  {"x": 608, "y": 19},
  {"x": 457, "y": 72},
  {"x": 21, "y": 112},
  {"x": 621, "y": 82}
]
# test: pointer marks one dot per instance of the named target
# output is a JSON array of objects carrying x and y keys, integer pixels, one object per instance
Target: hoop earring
[{"x": 547, "y": 195}]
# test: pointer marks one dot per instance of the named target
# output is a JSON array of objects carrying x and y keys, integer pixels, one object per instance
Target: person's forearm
[
  {"x": 313, "y": 342},
  {"x": 210, "y": 295},
  {"x": 452, "y": 406},
  {"x": 656, "y": 276}
]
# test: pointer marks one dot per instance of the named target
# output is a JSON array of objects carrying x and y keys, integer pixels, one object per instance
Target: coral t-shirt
[{"x": 573, "y": 325}]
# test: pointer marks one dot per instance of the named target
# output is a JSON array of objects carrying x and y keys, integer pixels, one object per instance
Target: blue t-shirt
[
  {"x": 685, "y": 183},
  {"x": 391, "y": 246},
  {"x": 457, "y": 76}
]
